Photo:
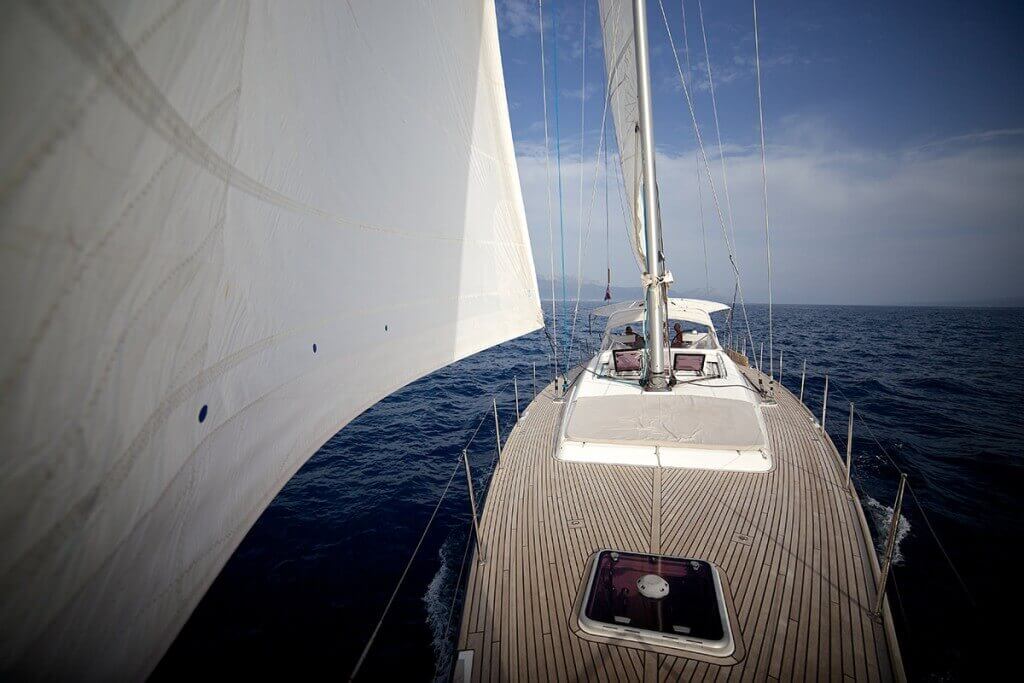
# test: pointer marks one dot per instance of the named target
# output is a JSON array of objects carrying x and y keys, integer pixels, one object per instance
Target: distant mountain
[
  {"x": 594, "y": 291},
  {"x": 1000, "y": 302}
]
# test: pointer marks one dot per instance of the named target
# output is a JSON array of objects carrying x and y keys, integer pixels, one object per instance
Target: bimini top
[
  {"x": 695, "y": 310},
  {"x": 674, "y": 305}
]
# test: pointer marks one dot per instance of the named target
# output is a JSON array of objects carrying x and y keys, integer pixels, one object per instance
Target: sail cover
[
  {"x": 620, "y": 67},
  {"x": 228, "y": 228}
]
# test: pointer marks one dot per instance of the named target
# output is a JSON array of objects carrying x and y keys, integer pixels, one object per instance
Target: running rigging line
[
  {"x": 558, "y": 157},
  {"x": 547, "y": 175},
  {"x": 764, "y": 188},
  {"x": 718, "y": 130},
  {"x": 583, "y": 119},
  {"x": 707, "y": 171},
  {"x": 696, "y": 165},
  {"x": 585, "y": 241},
  {"x": 607, "y": 224}
]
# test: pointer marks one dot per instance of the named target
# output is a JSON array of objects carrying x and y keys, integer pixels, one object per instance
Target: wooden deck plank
[{"x": 789, "y": 543}]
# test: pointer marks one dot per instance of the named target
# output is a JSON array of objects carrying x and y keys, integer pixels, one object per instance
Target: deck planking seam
[{"x": 800, "y": 585}]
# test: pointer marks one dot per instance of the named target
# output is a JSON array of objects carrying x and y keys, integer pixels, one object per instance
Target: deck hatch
[{"x": 672, "y": 602}]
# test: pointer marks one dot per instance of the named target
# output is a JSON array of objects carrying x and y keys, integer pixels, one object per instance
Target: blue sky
[{"x": 895, "y": 146}]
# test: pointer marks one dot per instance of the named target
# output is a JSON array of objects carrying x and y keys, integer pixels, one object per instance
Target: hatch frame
[{"x": 679, "y": 645}]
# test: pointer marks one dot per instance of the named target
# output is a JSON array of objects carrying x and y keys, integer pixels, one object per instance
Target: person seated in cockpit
[
  {"x": 638, "y": 342},
  {"x": 677, "y": 339}
]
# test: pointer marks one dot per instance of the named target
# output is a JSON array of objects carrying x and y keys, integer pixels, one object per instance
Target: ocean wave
[{"x": 881, "y": 519}]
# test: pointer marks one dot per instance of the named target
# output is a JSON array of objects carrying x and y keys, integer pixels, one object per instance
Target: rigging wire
[
  {"x": 607, "y": 222},
  {"x": 764, "y": 191},
  {"x": 707, "y": 170},
  {"x": 732, "y": 311},
  {"x": 583, "y": 120},
  {"x": 558, "y": 155},
  {"x": 547, "y": 175},
  {"x": 942, "y": 547},
  {"x": 703, "y": 232},
  {"x": 696, "y": 165},
  {"x": 589, "y": 223},
  {"x": 718, "y": 129}
]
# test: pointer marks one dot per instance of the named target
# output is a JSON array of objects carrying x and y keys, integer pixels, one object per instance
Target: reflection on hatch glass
[{"x": 662, "y": 594}]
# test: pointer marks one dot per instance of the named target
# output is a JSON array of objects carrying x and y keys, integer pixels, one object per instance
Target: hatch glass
[{"x": 671, "y": 601}]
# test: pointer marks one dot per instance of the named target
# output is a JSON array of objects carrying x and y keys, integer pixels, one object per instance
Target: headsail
[
  {"x": 620, "y": 67},
  {"x": 228, "y": 228}
]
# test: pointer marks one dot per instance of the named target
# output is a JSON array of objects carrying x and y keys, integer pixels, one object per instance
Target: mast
[{"x": 654, "y": 278}]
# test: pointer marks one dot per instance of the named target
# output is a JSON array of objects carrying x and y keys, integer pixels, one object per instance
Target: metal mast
[{"x": 654, "y": 278}]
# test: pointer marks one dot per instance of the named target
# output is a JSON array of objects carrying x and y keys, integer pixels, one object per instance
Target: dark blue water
[{"x": 939, "y": 388}]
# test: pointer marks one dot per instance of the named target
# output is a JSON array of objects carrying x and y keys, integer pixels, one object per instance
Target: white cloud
[
  {"x": 941, "y": 222},
  {"x": 518, "y": 18}
]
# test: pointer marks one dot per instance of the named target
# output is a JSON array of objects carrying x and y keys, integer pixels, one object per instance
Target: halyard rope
[
  {"x": 547, "y": 184},
  {"x": 707, "y": 170},
  {"x": 558, "y": 155},
  {"x": 696, "y": 163},
  {"x": 718, "y": 130},
  {"x": 764, "y": 192}
]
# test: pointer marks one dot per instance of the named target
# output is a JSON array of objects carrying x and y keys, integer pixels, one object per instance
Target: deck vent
[{"x": 674, "y": 602}]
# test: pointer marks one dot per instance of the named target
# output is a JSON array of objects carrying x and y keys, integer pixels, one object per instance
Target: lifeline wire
[
  {"x": 405, "y": 572},
  {"x": 917, "y": 502}
]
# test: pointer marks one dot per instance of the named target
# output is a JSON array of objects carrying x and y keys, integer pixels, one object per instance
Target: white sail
[
  {"x": 620, "y": 67},
  {"x": 228, "y": 228}
]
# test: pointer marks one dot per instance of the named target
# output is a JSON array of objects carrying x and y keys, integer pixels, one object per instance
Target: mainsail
[
  {"x": 228, "y": 228},
  {"x": 620, "y": 67}
]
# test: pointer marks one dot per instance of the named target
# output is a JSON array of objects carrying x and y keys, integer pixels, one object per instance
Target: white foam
[
  {"x": 881, "y": 517},
  {"x": 437, "y": 600}
]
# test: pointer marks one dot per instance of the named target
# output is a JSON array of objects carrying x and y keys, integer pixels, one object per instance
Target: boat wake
[
  {"x": 438, "y": 602},
  {"x": 881, "y": 519}
]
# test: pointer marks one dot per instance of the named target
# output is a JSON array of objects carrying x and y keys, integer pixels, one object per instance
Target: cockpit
[
  {"x": 691, "y": 345},
  {"x": 709, "y": 418}
]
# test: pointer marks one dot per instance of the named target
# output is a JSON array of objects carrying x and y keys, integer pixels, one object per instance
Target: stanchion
[
  {"x": 824, "y": 405},
  {"x": 849, "y": 446},
  {"x": 515, "y": 387},
  {"x": 481, "y": 557},
  {"x": 497, "y": 429},
  {"x": 803, "y": 376},
  {"x": 890, "y": 544}
]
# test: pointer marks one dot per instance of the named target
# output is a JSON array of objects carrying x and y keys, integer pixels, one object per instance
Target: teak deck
[{"x": 791, "y": 545}]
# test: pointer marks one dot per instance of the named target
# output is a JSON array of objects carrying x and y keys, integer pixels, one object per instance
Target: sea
[{"x": 939, "y": 395}]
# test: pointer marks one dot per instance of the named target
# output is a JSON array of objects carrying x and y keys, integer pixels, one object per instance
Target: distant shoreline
[{"x": 991, "y": 305}]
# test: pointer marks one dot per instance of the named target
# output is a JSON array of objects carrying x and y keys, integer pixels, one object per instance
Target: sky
[{"x": 894, "y": 148}]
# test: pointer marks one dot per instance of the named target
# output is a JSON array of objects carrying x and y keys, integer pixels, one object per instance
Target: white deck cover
[{"x": 667, "y": 420}]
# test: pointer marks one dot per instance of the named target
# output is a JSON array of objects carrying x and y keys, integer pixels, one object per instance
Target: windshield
[{"x": 680, "y": 334}]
